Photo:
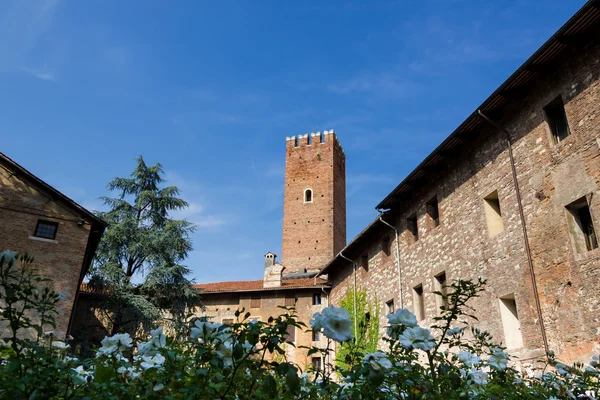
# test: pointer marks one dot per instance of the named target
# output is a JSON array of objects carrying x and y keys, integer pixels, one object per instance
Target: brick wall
[
  {"x": 21, "y": 205},
  {"x": 313, "y": 232},
  {"x": 461, "y": 245}
]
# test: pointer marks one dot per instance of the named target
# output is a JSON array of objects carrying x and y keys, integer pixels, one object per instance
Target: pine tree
[{"x": 138, "y": 266}]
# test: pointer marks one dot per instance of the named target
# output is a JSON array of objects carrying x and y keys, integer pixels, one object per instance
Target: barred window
[{"x": 46, "y": 229}]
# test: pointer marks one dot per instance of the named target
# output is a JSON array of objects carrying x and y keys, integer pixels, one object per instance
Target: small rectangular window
[
  {"x": 291, "y": 333},
  {"x": 364, "y": 262},
  {"x": 227, "y": 321},
  {"x": 390, "y": 307},
  {"x": 419, "y": 302},
  {"x": 255, "y": 302},
  {"x": 440, "y": 286},
  {"x": 413, "y": 228},
  {"x": 385, "y": 245},
  {"x": 316, "y": 299},
  {"x": 557, "y": 119},
  {"x": 493, "y": 214},
  {"x": 46, "y": 229},
  {"x": 317, "y": 363},
  {"x": 290, "y": 301},
  {"x": 581, "y": 226},
  {"x": 510, "y": 322},
  {"x": 433, "y": 211},
  {"x": 316, "y": 336}
]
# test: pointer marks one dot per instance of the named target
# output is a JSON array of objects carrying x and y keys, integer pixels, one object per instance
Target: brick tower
[{"x": 314, "y": 201}]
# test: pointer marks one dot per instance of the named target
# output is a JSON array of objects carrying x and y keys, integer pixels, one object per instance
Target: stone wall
[
  {"x": 551, "y": 176},
  {"x": 221, "y": 307}
]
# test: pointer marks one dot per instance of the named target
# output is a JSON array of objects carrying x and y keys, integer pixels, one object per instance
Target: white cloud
[
  {"x": 40, "y": 74},
  {"x": 386, "y": 84},
  {"x": 23, "y": 24},
  {"x": 198, "y": 212}
]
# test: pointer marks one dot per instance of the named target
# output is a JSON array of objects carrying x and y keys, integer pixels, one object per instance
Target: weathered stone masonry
[{"x": 473, "y": 164}]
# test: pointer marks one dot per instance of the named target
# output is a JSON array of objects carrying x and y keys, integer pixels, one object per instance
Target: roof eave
[{"x": 388, "y": 202}]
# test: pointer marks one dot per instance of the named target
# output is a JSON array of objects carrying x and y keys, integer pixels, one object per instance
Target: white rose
[{"x": 336, "y": 323}]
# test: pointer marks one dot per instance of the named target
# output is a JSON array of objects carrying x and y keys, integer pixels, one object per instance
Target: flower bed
[{"x": 215, "y": 361}]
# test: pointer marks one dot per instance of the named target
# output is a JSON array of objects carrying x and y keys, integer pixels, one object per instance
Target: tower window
[
  {"x": 557, "y": 119},
  {"x": 46, "y": 229},
  {"x": 308, "y": 195},
  {"x": 433, "y": 210},
  {"x": 413, "y": 228},
  {"x": 581, "y": 226},
  {"x": 493, "y": 214}
]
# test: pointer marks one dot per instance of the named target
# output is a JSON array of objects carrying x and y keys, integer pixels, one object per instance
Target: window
[
  {"x": 316, "y": 299},
  {"x": 385, "y": 245},
  {"x": 290, "y": 301},
  {"x": 581, "y": 226},
  {"x": 46, "y": 229},
  {"x": 510, "y": 322},
  {"x": 255, "y": 302},
  {"x": 413, "y": 228},
  {"x": 317, "y": 363},
  {"x": 308, "y": 196},
  {"x": 390, "y": 307},
  {"x": 291, "y": 333},
  {"x": 419, "y": 302},
  {"x": 364, "y": 262},
  {"x": 316, "y": 336},
  {"x": 440, "y": 286},
  {"x": 493, "y": 214},
  {"x": 227, "y": 321},
  {"x": 433, "y": 210},
  {"x": 557, "y": 119}
]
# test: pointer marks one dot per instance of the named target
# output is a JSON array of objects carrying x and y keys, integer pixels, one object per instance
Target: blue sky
[{"x": 211, "y": 90}]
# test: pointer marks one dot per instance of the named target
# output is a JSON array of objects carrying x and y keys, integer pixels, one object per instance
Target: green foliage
[
  {"x": 367, "y": 332},
  {"x": 144, "y": 242},
  {"x": 214, "y": 361}
]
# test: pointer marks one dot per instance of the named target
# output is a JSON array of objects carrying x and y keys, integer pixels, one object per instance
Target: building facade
[
  {"x": 314, "y": 231},
  {"x": 61, "y": 235},
  {"x": 511, "y": 197},
  {"x": 314, "y": 201},
  {"x": 264, "y": 298}
]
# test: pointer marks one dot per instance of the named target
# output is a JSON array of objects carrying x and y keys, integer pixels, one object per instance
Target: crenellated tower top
[{"x": 314, "y": 212}]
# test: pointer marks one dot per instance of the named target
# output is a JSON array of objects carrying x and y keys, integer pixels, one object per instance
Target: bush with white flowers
[{"x": 237, "y": 361}]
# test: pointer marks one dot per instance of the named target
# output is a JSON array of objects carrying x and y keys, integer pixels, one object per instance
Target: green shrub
[{"x": 214, "y": 361}]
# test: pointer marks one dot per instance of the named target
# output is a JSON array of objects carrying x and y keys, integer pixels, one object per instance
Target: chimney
[{"x": 273, "y": 271}]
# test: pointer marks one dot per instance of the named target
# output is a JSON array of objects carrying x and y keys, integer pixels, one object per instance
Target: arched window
[{"x": 308, "y": 196}]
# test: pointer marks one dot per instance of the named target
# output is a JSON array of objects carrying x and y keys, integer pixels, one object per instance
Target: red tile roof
[{"x": 257, "y": 285}]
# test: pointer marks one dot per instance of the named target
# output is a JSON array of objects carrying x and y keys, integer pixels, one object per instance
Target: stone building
[
  {"x": 314, "y": 231},
  {"x": 61, "y": 235},
  {"x": 511, "y": 196},
  {"x": 264, "y": 298}
]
